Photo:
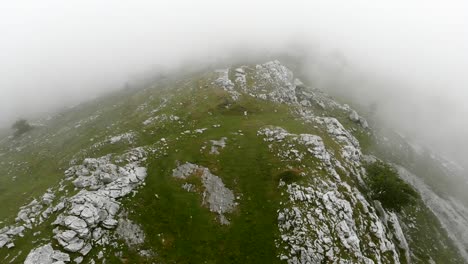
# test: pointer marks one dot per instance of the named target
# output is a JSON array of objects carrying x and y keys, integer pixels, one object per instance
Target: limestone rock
[
  {"x": 216, "y": 196},
  {"x": 354, "y": 116},
  {"x": 130, "y": 232},
  {"x": 46, "y": 255}
]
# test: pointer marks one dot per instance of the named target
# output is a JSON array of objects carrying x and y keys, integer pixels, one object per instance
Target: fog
[{"x": 408, "y": 57}]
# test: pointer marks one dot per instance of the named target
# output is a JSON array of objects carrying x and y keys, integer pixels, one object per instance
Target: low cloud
[{"x": 408, "y": 58}]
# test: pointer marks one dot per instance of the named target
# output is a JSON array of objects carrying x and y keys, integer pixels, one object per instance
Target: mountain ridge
[{"x": 248, "y": 120}]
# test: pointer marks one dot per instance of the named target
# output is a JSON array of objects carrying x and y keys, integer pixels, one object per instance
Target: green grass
[{"x": 245, "y": 165}]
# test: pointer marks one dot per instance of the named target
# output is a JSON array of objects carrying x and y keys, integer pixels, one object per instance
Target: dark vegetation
[
  {"x": 388, "y": 188},
  {"x": 289, "y": 176},
  {"x": 21, "y": 126}
]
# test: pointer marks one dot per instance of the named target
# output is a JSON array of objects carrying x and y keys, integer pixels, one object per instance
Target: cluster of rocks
[
  {"x": 353, "y": 115},
  {"x": 226, "y": 84},
  {"x": 289, "y": 145},
  {"x": 319, "y": 223},
  {"x": 29, "y": 216},
  {"x": 96, "y": 206},
  {"x": 313, "y": 143},
  {"x": 216, "y": 196},
  {"x": 327, "y": 220},
  {"x": 33, "y": 213},
  {"x": 8, "y": 233},
  {"x": 87, "y": 120},
  {"x": 161, "y": 118},
  {"x": 275, "y": 82},
  {"x": 351, "y": 150},
  {"x": 129, "y": 137},
  {"x": 87, "y": 216},
  {"x": 241, "y": 79}
]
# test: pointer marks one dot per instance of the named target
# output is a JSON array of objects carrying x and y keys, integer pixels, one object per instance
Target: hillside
[{"x": 241, "y": 165}]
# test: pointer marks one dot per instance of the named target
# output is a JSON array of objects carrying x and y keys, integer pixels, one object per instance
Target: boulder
[
  {"x": 15, "y": 231},
  {"x": 74, "y": 222},
  {"x": 46, "y": 255},
  {"x": 41, "y": 255},
  {"x": 363, "y": 122},
  {"x": 67, "y": 236},
  {"x": 48, "y": 198},
  {"x": 86, "y": 249},
  {"x": 75, "y": 245},
  {"x": 354, "y": 116},
  {"x": 4, "y": 239},
  {"x": 109, "y": 223}
]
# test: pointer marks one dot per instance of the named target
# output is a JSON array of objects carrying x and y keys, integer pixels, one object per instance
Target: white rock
[
  {"x": 86, "y": 249},
  {"x": 60, "y": 256},
  {"x": 75, "y": 245},
  {"x": 354, "y": 116},
  {"x": 44, "y": 255},
  {"x": 74, "y": 222}
]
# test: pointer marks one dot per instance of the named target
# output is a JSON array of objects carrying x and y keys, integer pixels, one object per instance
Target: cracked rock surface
[{"x": 216, "y": 196}]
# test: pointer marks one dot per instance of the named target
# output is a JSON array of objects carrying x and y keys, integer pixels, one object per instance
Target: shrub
[
  {"x": 289, "y": 176},
  {"x": 21, "y": 126},
  {"x": 387, "y": 187}
]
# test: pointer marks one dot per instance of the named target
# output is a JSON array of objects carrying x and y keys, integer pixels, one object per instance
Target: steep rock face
[
  {"x": 451, "y": 213},
  {"x": 325, "y": 219}
]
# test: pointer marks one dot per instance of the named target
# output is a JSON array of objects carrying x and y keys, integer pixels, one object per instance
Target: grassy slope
[{"x": 177, "y": 226}]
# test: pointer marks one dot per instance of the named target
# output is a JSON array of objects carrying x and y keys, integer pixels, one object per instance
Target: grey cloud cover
[{"x": 409, "y": 56}]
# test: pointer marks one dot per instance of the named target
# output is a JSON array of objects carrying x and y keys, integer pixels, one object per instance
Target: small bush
[
  {"x": 289, "y": 176},
  {"x": 387, "y": 187},
  {"x": 21, "y": 126}
]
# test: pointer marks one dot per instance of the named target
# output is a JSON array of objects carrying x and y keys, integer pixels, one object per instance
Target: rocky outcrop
[
  {"x": 128, "y": 137},
  {"x": 96, "y": 205},
  {"x": 452, "y": 215},
  {"x": 216, "y": 196},
  {"x": 353, "y": 116},
  {"x": 161, "y": 118},
  {"x": 29, "y": 216},
  {"x": 325, "y": 219},
  {"x": 226, "y": 84},
  {"x": 273, "y": 81},
  {"x": 86, "y": 217}
]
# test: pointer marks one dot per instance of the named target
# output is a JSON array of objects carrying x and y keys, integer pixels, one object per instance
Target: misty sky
[{"x": 58, "y": 53}]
